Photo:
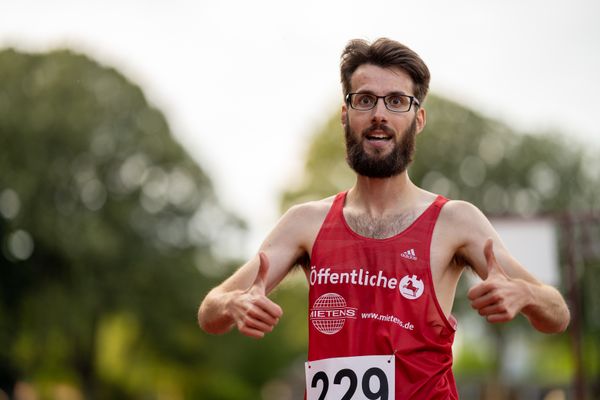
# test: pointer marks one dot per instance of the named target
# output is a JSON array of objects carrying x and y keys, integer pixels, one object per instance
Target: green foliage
[
  {"x": 103, "y": 218},
  {"x": 553, "y": 359}
]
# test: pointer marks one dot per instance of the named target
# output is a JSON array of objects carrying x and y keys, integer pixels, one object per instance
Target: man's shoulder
[
  {"x": 453, "y": 210},
  {"x": 315, "y": 209},
  {"x": 303, "y": 221},
  {"x": 460, "y": 207},
  {"x": 459, "y": 224},
  {"x": 462, "y": 214}
]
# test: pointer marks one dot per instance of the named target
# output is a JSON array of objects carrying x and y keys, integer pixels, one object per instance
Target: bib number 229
[{"x": 350, "y": 378}]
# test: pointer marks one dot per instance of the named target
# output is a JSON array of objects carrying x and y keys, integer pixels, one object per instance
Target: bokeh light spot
[{"x": 20, "y": 245}]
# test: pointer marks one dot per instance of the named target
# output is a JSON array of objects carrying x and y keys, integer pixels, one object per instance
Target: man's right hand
[{"x": 253, "y": 312}]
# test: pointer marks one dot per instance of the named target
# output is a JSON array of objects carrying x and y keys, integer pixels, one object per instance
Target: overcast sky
[{"x": 244, "y": 83}]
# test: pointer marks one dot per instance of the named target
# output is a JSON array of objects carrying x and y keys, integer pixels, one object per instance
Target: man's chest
[{"x": 379, "y": 227}]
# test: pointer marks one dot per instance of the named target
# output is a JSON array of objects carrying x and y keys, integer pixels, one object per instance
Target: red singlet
[{"x": 376, "y": 329}]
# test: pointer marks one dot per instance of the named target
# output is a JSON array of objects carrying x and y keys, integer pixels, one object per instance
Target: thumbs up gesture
[
  {"x": 253, "y": 312},
  {"x": 498, "y": 298}
]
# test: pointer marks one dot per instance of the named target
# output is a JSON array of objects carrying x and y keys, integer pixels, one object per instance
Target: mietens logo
[
  {"x": 329, "y": 313},
  {"x": 411, "y": 287}
]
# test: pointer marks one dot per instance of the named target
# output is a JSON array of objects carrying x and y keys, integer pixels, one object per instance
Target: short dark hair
[{"x": 384, "y": 53}]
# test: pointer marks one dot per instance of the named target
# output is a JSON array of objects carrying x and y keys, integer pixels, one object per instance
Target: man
[{"x": 384, "y": 258}]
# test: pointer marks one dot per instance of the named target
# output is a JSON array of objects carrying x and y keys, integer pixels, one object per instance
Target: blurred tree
[
  {"x": 464, "y": 155},
  {"x": 103, "y": 221}
]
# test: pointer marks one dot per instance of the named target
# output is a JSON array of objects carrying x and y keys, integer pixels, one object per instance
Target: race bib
[{"x": 348, "y": 378}]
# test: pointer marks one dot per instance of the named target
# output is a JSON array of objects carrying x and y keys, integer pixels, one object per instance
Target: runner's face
[
  {"x": 380, "y": 143},
  {"x": 382, "y": 165}
]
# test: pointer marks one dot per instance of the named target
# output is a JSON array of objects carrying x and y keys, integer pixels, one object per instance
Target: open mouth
[
  {"x": 378, "y": 137},
  {"x": 378, "y": 134}
]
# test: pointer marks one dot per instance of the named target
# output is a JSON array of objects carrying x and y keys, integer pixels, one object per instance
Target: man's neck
[{"x": 381, "y": 196}]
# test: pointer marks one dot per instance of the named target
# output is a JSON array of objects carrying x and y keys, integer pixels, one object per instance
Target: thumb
[
  {"x": 493, "y": 266},
  {"x": 263, "y": 270}
]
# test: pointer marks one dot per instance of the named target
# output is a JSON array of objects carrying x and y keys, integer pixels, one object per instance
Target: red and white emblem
[{"x": 411, "y": 287}]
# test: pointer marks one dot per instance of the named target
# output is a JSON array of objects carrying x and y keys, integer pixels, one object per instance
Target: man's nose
[{"x": 379, "y": 112}]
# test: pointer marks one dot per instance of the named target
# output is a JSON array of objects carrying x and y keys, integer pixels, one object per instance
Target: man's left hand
[{"x": 498, "y": 298}]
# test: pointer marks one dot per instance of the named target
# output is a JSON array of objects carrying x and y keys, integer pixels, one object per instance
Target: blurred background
[{"x": 147, "y": 147}]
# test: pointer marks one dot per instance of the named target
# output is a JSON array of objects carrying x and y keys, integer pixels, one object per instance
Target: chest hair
[{"x": 380, "y": 227}]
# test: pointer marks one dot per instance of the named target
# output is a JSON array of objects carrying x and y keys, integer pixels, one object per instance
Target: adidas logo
[{"x": 409, "y": 254}]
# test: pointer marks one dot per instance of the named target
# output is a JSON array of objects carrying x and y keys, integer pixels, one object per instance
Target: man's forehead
[{"x": 372, "y": 77}]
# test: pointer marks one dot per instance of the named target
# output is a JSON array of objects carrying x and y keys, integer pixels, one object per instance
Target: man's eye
[
  {"x": 397, "y": 101},
  {"x": 365, "y": 100}
]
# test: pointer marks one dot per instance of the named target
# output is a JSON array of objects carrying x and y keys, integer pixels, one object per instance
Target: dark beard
[{"x": 373, "y": 167}]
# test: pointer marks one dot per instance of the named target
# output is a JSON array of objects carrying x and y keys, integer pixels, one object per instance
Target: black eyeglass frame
[{"x": 413, "y": 100}]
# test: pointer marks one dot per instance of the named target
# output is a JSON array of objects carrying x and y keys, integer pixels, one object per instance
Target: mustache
[{"x": 378, "y": 127}]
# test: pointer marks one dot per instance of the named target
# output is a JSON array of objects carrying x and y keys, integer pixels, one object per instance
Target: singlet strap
[
  {"x": 434, "y": 212},
  {"x": 335, "y": 213},
  {"x": 338, "y": 202},
  {"x": 333, "y": 218}
]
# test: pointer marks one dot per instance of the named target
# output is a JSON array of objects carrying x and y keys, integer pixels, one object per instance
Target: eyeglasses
[{"x": 398, "y": 103}]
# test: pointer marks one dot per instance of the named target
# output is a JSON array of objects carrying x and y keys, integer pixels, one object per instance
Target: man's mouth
[{"x": 378, "y": 136}]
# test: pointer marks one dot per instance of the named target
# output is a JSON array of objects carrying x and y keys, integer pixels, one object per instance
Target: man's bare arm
[
  {"x": 241, "y": 300},
  {"x": 507, "y": 288}
]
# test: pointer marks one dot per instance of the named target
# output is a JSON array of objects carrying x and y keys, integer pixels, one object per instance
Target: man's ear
[
  {"x": 344, "y": 115},
  {"x": 421, "y": 119}
]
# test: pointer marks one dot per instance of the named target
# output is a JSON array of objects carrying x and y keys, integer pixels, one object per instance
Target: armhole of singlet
[
  {"x": 439, "y": 202},
  {"x": 338, "y": 203}
]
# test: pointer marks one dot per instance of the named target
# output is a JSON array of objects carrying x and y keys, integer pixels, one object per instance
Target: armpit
[
  {"x": 459, "y": 261},
  {"x": 302, "y": 262}
]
